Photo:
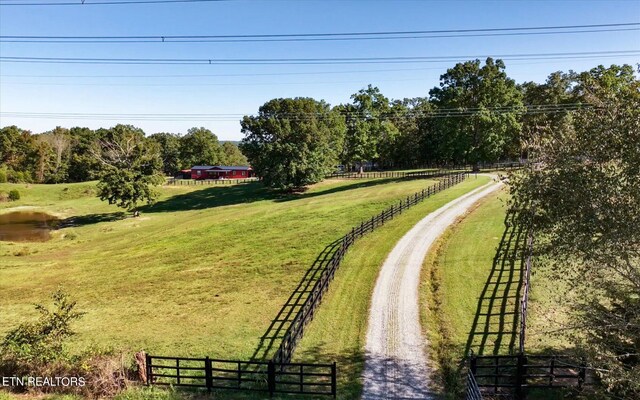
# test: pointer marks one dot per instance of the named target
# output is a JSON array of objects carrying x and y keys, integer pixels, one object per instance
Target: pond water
[{"x": 27, "y": 226}]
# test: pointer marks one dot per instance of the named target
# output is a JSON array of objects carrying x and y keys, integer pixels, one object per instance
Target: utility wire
[
  {"x": 303, "y": 37},
  {"x": 101, "y": 2},
  {"x": 441, "y": 113},
  {"x": 297, "y": 61}
]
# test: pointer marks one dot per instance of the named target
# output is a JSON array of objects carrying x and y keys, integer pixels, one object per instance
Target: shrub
[
  {"x": 38, "y": 348},
  {"x": 42, "y": 341},
  {"x": 4, "y": 197},
  {"x": 14, "y": 195},
  {"x": 3, "y": 175}
]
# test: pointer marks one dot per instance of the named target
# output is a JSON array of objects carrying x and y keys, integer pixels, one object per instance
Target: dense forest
[{"x": 476, "y": 114}]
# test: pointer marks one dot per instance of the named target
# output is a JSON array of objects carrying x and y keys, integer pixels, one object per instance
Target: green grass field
[
  {"x": 453, "y": 279},
  {"x": 339, "y": 328},
  {"x": 202, "y": 272}
]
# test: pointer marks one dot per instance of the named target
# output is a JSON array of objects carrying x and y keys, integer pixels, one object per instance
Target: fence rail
[
  {"x": 473, "y": 391},
  {"x": 518, "y": 373},
  {"x": 305, "y": 313},
  {"x": 258, "y": 376},
  {"x": 209, "y": 182}
]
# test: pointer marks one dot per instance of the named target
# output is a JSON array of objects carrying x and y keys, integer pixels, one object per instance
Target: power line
[
  {"x": 440, "y": 113},
  {"x": 102, "y": 2},
  {"x": 308, "y": 61},
  {"x": 224, "y": 75},
  {"x": 297, "y": 37}
]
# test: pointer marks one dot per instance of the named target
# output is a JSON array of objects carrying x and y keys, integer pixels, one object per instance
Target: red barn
[{"x": 221, "y": 172}]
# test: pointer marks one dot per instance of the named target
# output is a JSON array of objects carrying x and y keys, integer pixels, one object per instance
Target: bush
[
  {"x": 42, "y": 341},
  {"x": 4, "y": 197},
  {"x": 38, "y": 348},
  {"x": 14, "y": 195},
  {"x": 3, "y": 175}
]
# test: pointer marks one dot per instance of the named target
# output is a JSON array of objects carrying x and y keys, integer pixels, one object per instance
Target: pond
[{"x": 27, "y": 226}]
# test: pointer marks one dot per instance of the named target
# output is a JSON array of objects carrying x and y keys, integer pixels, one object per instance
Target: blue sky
[{"x": 146, "y": 89}]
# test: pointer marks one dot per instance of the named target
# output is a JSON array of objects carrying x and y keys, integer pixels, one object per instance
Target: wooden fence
[
  {"x": 517, "y": 374},
  {"x": 389, "y": 174},
  {"x": 209, "y": 182},
  {"x": 257, "y": 376},
  {"x": 306, "y": 312},
  {"x": 473, "y": 390}
]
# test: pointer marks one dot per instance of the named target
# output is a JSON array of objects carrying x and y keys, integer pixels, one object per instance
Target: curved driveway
[{"x": 396, "y": 364}]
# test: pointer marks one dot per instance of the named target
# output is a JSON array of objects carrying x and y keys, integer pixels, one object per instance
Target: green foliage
[
  {"x": 42, "y": 341},
  {"x": 199, "y": 147},
  {"x": 169, "y": 151},
  {"x": 586, "y": 194},
  {"x": 130, "y": 168},
  {"x": 293, "y": 143},
  {"x": 14, "y": 195},
  {"x": 369, "y": 134},
  {"x": 3, "y": 175},
  {"x": 486, "y": 134},
  {"x": 231, "y": 155}
]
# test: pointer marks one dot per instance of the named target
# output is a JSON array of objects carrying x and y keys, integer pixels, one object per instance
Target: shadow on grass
[
  {"x": 495, "y": 325},
  {"x": 246, "y": 193},
  {"x": 274, "y": 334},
  {"x": 350, "y": 366},
  {"x": 89, "y": 219}
]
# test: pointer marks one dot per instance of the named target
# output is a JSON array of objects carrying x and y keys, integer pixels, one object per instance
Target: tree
[
  {"x": 59, "y": 143},
  {"x": 231, "y": 155},
  {"x": 131, "y": 167},
  {"x": 478, "y": 112},
  {"x": 292, "y": 143},
  {"x": 369, "y": 134},
  {"x": 18, "y": 153},
  {"x": 547, "y": 107},
  {"x": 169, "y": 151},
  {"x": 82, "y": 165},
  {"x": 406, "y": 114},
  {"x": 585, "y": 191},
  {"x": 199, "y": 147}
]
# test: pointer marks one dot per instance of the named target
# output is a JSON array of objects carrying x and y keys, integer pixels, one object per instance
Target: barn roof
[{"x": 228, "y": 167}]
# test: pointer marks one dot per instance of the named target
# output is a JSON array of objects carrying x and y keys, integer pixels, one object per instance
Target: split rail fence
[
  {"x": 280, "y": 375},
  {"x": 308, "y": 308},
  {"x": 517, "y": 374},
  {"x": 256, "y": 376},
  {"x": 209, "y": 182}
]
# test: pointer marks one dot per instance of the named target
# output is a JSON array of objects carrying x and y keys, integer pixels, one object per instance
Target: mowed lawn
[
  {"x": 454, "y": 276},
  {"x": 203, "y": 272},
  {"x": 338, "y": 330}
]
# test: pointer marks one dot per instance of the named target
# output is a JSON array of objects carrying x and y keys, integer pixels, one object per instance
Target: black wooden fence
[
  {"x": 306, "y": 312},
  {"x": 257, "y": 376},
  {"x": 205, "y": 182},
  {"x": 473, "y": 390},
  {"x": 517, "y": 374},
  {"x": 390, "y": 174}
]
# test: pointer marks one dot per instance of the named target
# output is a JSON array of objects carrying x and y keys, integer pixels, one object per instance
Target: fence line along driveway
[{"x": 396, "y": 365}]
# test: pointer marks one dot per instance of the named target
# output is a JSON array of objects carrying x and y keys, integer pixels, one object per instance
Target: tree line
[
  {"x": 73, "y": 155},
  {"x": 583, "y": 191}
]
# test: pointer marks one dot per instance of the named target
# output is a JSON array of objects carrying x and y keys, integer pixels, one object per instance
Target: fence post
[
  {"x": 149, "y": 370},
  {"x": 582, "y": 374},
  {"x": 208, "y": 373},
  {"x": 271, "y": 378},
  {"x": 520, "y": 376},
  {"x": 333, "y": 380}
]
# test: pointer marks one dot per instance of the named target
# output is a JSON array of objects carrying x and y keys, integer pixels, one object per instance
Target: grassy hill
[{"x": 215, "y": 262}]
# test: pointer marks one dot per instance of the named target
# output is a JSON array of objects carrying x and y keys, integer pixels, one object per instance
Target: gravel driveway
[{"x": 396, "y": 364}]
